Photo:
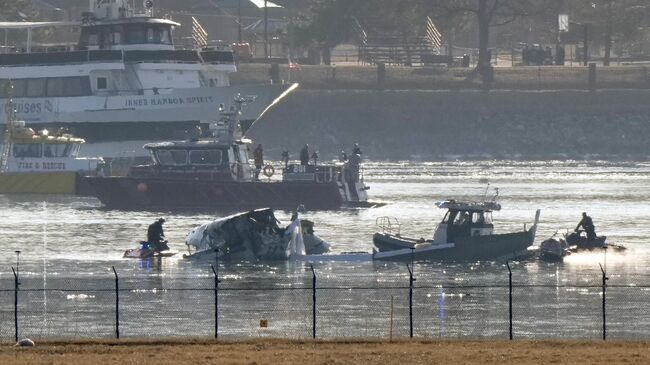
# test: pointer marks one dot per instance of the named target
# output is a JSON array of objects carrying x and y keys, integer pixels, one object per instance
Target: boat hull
[
  {"x": 149, "y": 193},
  {"x": 464, "y": 249},
  {"x": 60, "y": 182}
]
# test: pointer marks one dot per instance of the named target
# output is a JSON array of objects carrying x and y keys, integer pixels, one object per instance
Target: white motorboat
[{"x": 465, "y": 233}]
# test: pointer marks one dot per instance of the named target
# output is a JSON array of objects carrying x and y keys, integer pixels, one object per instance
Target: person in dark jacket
[
  {"x": 156, "y": 236},
  {"x": 285, "y": 158},
  {"x": 588, "y": 225},
  {"x": 304, "y": 155},
  {"x": 356, "y": 150},
  {"x": 258, "y": 157}
]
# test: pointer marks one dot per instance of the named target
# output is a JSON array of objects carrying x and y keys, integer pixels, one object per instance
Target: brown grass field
[{"x": 328, "y": 352}]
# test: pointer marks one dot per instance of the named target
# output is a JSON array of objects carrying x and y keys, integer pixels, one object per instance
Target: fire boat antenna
[{"x": 486, "y": 191}]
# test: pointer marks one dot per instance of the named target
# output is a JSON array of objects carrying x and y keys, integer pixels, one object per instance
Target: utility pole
[
  {"x": 239, "y": 21},
  {"x": 266, "y": 29},
  {"x": 585, "y": 57},
  {"x": 291, "y": 30}
]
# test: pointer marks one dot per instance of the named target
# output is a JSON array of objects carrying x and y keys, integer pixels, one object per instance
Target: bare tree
[
  {"x": 488, "y": 13},
  {"x": 610, "y": 19}
]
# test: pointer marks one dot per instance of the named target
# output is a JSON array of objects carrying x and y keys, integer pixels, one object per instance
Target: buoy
[
  {"x": 268, "y": 171},
  {"x": 25, "y": 342},
  {"x": 142, "y": 187}
]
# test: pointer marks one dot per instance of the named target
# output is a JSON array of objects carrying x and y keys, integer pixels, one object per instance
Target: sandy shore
[{"x": 328, "y": 352}]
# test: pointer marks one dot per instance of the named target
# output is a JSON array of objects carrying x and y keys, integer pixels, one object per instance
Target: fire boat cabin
[{"x": 200, "y": 160}]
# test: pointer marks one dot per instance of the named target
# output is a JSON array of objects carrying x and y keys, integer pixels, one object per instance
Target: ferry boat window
[
  {"x": 102, "y": 83},
  {"x": 205, "y": 157},
  {"x": 27, "y": 150},
  {"x": 116, "y": 35},
  {"x": 135, "y": 34},
  {"x": 36, "y": 87},
  {"x": 20, "y": 88},
  {"x": 57, "y": 150},
  {"x": 76, "y": 86},
  {"x": 54, "y": 86},
  {"x": 92, "y": 39},
  {"x": 164, "y": 35},
  {"x": 150, "y": 36},
  {"x": 171, "y": 157}
]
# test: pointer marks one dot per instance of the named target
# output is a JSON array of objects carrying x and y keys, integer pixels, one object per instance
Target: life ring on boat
[{"x": 268, "y": 171}]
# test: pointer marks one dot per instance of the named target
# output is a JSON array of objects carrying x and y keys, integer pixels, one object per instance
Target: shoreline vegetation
[{"x": 271, "y": 351}]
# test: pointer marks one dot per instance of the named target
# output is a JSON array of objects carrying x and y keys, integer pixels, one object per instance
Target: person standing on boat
[
  {"x": 258, "y": 157},
  {"x": 304, "y": 155},
  {"x": 314, "y": 157},
  {"x": 588, "y": 225},
  {"x": 285, "y": 158},
  {"x": 356, "y": 150},
  {"x": 343, "y": 157},
  {"x": 156, "y": 236}
]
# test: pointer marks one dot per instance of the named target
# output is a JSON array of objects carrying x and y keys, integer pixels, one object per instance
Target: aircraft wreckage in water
[{"x": 254, "y": 236}]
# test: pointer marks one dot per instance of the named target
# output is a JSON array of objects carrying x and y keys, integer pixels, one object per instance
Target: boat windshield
[
  {"x": 482, "y": 218},
  {"x": 205, "y": 157},
  {"x": 171, "y": 157},
  {"x": 28, "y": 150},
  {"x": 57, "y": 150}
]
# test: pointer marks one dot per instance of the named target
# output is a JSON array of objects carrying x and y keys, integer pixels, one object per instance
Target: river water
[{"x": 69, "y": 244}]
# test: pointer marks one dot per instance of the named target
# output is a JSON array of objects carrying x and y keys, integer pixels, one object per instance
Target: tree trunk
[
  {"x": 608, "y": 36},
  {"x": 484, "y": 56},
  {"x": 326, "y": 51}
]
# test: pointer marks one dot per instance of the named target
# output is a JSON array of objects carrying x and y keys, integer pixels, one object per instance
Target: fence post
[
  {"x": 313, "y": 302},
  {"x": 605, "y": 278},
  {"x": 16, "y": 283},
  {"x": 592, "y": 76},
  {"x": 411, "y": 280},
  {"x": 216, "y": 297},
  {"x": 117, "y": 304},
  {"x": 509, "y": 298}
]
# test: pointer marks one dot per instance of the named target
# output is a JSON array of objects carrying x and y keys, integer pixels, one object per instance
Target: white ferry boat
[{"x": 125, "y": 79}]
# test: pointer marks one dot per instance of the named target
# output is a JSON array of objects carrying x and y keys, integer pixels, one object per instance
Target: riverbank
[
  {"x": 349, "y": 77},
  {"x": 442, "y": 125},
  {"x": 328, "y": 352}
]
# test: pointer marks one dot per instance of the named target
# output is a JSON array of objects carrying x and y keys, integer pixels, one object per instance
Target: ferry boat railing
[{"x": 138, "y": 56}]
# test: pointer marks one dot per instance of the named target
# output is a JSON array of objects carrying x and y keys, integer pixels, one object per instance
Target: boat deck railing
[{"x": 389, "y": 225}]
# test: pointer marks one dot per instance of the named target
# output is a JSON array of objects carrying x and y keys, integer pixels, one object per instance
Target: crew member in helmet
[
  {"x": 588, "y": 225},
  {"x": 156, "y": 236}
]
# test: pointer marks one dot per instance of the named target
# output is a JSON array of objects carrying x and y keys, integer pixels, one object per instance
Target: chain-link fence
[{"x": 319, "y": 305}]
